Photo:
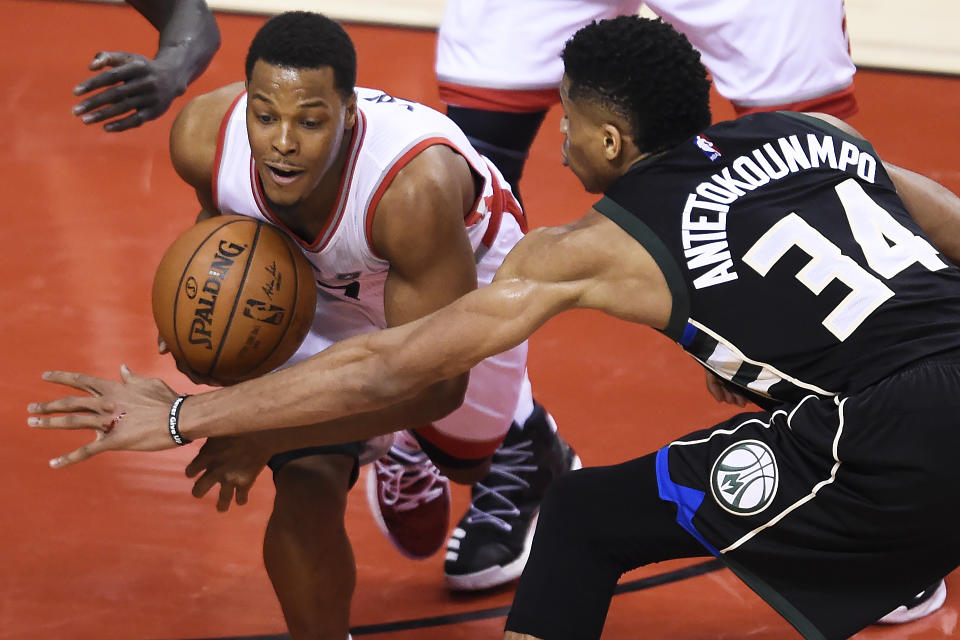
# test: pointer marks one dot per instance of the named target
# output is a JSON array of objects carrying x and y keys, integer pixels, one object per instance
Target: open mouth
[{"x": 284, "y": 175}]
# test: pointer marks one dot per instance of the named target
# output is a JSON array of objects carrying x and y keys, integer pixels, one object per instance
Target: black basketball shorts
[{"x": 834, "y": 510}]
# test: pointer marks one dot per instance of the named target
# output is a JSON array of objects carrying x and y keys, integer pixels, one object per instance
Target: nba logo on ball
[{"x": 744, "y": 478}]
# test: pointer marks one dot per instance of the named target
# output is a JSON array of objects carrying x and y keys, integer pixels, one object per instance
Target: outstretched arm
[
  {"x": 588, "y": 264},
  {"x": 189, "y": 38}
]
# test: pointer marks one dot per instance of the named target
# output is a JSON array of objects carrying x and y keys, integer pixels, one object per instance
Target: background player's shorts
[
  {"x": 834, "y": 510},
  {"x": 511, "y": 62}
]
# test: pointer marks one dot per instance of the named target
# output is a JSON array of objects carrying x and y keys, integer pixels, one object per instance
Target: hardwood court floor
[{"x": 116, "y": 548}]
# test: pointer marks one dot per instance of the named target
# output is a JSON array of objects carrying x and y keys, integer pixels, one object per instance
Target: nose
[
  {"x": 285, "y": 141},
  {"x": 564, "y": 124}
]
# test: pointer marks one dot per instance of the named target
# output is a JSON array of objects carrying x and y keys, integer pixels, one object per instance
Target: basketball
[{"x": 233, "y": 298}]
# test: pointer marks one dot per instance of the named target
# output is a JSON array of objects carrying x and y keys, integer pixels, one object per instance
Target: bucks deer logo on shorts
[{"x": 744, "y": 478}]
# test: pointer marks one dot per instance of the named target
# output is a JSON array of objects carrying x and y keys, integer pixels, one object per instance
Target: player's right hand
[
  {"x": 722, "y": 391},
  {"x": 232, "y": 461}
]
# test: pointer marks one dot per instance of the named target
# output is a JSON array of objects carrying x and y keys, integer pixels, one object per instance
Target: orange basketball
[{"x": 233, "y": 298}]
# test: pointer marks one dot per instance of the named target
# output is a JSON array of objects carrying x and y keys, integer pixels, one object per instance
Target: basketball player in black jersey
[{"x": 778, "y": 250}]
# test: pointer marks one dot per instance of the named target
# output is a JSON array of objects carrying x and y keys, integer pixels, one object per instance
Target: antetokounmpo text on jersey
[{"x": 704, "y": 230}]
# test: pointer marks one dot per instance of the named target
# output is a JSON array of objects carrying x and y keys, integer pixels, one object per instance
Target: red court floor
[{"x": 116, "y": 548}]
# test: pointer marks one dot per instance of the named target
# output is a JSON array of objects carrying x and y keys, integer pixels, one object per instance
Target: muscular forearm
[
  {"x": 370, "y": 372},
  {"x": 432, "y": 404}
]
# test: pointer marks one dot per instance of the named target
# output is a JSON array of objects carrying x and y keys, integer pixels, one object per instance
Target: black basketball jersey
[{"x": 793, "y": 264}]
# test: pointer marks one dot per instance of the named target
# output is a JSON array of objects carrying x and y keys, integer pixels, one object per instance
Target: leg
[
  {"x": 503, "y": 137},
  {"x": 491, "y": 542},
  {"x": 306, "y": 550},
  {"x": 586, "y": 539}
]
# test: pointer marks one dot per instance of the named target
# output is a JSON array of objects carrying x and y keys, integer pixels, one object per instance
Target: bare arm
[
  {"x": 935, "y": 208},
  {"x": 418, "y": 227},
  {"x": 588, "y": 264},
  {"x": 193, "y": 141},
  {"x": 189, "y": 38}
]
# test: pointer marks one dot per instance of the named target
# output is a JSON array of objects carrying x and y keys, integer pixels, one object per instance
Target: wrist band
[{"x": 175, "y": 418}]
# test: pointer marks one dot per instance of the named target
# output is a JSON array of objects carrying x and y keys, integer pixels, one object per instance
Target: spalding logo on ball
[
  {"x": 744, "y": 478},
  {"x": 233, "y": 298}
]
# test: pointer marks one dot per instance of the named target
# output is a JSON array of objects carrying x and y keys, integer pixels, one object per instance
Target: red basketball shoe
[{"x": 409, "y": 498}]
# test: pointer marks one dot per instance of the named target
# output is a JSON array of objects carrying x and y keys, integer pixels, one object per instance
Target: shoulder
[
  {"x": 428, "y": 199},
  {"x": 835, "y": 122},
  {"x": 193, "y": 138}
]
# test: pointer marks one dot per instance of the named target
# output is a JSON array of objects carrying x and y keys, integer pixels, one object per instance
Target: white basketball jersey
[
  {"x": 388, "y": 134},
  {"x": 350, "y": 276}
]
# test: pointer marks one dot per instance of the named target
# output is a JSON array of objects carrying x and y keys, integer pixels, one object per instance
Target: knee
[
  {"x": 319, "y": 482},
  {"x": 568, "y": 508}
]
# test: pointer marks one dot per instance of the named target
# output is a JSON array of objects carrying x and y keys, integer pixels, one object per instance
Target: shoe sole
[
  {"x": 373, "y": 501},
  {"x": 499, "y": 575},
  {"x": 902, "y": 614}
]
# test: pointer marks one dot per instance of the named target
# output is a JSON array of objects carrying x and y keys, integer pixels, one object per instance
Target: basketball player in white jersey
[
  {"x": 498, "y": 61},
  {"x": 399, "y": 216}
]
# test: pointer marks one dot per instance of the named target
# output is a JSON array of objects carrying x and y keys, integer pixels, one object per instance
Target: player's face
[
  {"x": 299, "y": 128},
  {"x": 583, "y": 147}
]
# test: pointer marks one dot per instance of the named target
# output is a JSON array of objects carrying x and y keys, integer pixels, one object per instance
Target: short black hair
[
  {"x": 645, "y": 71},
  {"x": 305, "y": 40}
]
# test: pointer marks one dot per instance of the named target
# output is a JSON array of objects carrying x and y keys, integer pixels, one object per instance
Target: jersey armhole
[{"x": 680, "y": 308}]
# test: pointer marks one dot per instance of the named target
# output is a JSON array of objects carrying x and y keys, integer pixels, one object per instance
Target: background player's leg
[
  {"x": 306, "y": 550},
  {"x": 595, "y": 524},
  {"x": 503, "y": 137}
]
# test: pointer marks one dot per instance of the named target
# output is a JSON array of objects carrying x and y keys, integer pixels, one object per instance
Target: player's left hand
[
  {"x": 722, "y": 391},
  {"x": 134, "y": 83},
  {"x": 130, "y": 414},
  {"x": 232, "y": 461}
]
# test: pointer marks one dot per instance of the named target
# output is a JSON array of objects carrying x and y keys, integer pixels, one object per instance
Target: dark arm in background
[{"x": 137, "y": 89}]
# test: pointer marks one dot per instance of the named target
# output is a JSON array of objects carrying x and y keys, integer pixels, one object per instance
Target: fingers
[
  {"x": 92, "y": 385},
  {"x": 79, "y": 413},
  {"x": 125, "y": 66},
  {"x": 242, "y": 494},
  {"x": 108, "y": 59},
  {"x": 79, "y": 455},
  {"x": 132, "y": 121},
  {"x": 198, "y": 464},
  {"x": 204, "y": 483},
  {"x": 225, "y": 497},
  {"x": 114, "y": 102}
]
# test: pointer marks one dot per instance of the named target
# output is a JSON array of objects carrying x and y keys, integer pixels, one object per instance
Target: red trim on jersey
[
  {"x": 504, "y": 200},
  {"x": 456, "y": 447},
  {"x": 501, "y": 200},
  {"x": 511, "y": 100},
  {"x": 841, "y": 104},
  {"x": 387, "y": 180},
  {"x": 330, "y": 226},
  {"x": 218, "y": 155}
]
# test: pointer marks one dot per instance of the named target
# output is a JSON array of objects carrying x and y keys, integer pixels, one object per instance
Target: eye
[
  {"x": 264, "y": 118},
  {"x": 310, "y": 124}
]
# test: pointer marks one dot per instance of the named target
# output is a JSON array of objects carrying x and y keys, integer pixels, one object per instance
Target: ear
[
  {"x": 350, "y": 115},
  {"x": 612, "y": 140}
]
